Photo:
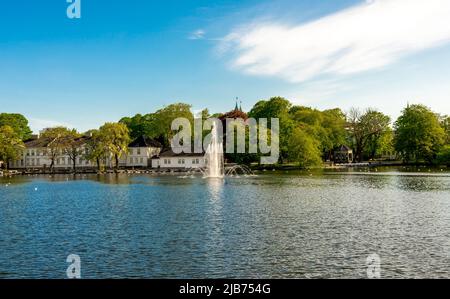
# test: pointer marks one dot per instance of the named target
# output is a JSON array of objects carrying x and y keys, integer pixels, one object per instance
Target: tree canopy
[
  {"x": 419, "y": 135},
  {"x": 11, "y": 145},
  {"x": 18, "y": 123}
]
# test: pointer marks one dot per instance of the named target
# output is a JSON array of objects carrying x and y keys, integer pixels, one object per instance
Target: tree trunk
[
  {"x": 117, "y": 162},
  {"x": 98, "y": 165},
  {"x": 74, "y": 160}
]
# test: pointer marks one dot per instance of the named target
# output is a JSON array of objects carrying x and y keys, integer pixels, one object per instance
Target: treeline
[
  {"x": 109, "y": 141},
  {"x": 307, "y": 136}
]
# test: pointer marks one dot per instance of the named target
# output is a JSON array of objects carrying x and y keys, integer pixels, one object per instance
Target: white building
[
  {"x": 141, "y": 151},
  {"x": 169, "y": 160},
  {"x": 36, "y": 155}
]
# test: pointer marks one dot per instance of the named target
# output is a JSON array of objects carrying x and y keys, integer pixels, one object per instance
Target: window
[
  {"x": 131, "y": 160},
  {"x": 142, "y": 160},
  {"x": 38, "y": 161},
  {"x": 136, "y": 160},
  {"x": 138, "y": 151}
]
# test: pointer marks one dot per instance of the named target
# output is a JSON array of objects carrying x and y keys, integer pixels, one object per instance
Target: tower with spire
[
  {"x": 236, "y": 112},
  {"x": 236, "y": 107}
]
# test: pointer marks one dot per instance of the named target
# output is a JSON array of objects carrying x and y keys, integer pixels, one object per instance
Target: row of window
[
  {"x": 183, "y": 161},
  {"x": 138, "y": 151},
  {"x": 34, "y": 152},
  {"x": 136, "y": 160}
]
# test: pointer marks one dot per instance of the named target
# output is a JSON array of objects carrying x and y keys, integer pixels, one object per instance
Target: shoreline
[{"x": 286, "y": 168}]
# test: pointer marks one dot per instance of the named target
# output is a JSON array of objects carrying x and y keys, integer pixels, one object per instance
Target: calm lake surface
[{"x": 274, "y": 225}]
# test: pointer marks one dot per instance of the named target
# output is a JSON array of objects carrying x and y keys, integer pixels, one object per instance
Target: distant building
[
  {"x": 170, "y": 160},
  {"x": 141, "y": 151},
  {"x": 343, "y": 154},
  {"x": 36, "y": 155}
]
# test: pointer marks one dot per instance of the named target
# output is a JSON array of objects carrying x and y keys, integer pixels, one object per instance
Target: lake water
[{"x": 274, "y": 225}]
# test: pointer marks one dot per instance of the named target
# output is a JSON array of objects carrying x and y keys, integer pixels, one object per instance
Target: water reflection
[
  {"x": 215, "y": 188},
  {"x": 276, "y": 225}
]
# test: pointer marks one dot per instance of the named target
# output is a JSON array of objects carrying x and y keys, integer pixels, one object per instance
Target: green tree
[
  {"x": 96, "y": 151},
  {"x": 158, "y": 125},
  {"x": 276, "y": 107},
  {"x": 376, "y": 147},
  {"x": 367, "y": 127},
  {"x": 304, "y": 149},
  {"x": 73, "y": 147},
  {"x": 11, "y": 145},
  {"x": 327, "y": 127},
  {"x": 419, "y": 135},
  {"x": 115, "y": 137},
  {"x": 445, "y": 123},
  {"x": 57, "y": 139},
  {"x": 18, "y": 123},
  {"x": 443, "y": 157},
  {"x": 139, "y": 125},
  {"x": 163, "y": 118}
]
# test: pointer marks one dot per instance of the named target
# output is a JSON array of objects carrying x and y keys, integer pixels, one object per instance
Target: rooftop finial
[{"x": 236, "y": 107}]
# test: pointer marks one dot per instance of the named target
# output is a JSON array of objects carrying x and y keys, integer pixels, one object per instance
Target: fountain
[
  {"x": 214, "y": 156},
  {"x": 239, "y": 170}
]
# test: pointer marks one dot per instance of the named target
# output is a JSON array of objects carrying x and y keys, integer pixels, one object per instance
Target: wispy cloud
[
  {"x": 37, "y": 124},
  {"x": 365, "y": 37},
  {"x": 197, "y": 34}
]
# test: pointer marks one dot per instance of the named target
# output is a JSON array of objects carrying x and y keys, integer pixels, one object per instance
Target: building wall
[
  {"x": 179, "y": 162},
  {"x": 140, "y": 156},
  {"x": 36, "y": 158}
]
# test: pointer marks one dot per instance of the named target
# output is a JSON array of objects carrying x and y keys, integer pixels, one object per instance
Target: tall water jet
[{"x": 214, "y": 156}]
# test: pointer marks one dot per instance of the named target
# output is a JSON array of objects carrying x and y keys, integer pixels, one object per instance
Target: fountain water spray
[{"x": 214, "y": 156}]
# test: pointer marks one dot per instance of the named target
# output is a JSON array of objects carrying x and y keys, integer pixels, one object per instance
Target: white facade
[
  {"x": 140, "y": 156},
  {"x": 177, "y": 162},
  {"x": 38, "y": 158}
]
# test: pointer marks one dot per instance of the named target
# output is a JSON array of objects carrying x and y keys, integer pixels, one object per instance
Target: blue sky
[{"x": 128, "y": 57}]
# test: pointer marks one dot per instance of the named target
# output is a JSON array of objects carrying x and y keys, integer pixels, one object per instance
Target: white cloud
[
  {"x": 198, "y": 34},
  {"x": 37, "y": 124},
  {"x": 365, "y": 37}
]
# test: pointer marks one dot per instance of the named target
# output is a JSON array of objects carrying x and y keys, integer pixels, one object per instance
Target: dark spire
[
  {"x": 240, "y": 106},
  {"x": 236, "y": 108}
]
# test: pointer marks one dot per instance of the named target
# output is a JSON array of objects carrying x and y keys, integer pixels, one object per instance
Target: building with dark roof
[
  {"x": 36, "y": 155},
  {"x": 141, "y": 151},
  {"x": 171, "y": 160},
  {"x": 343, "y": 154}
]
